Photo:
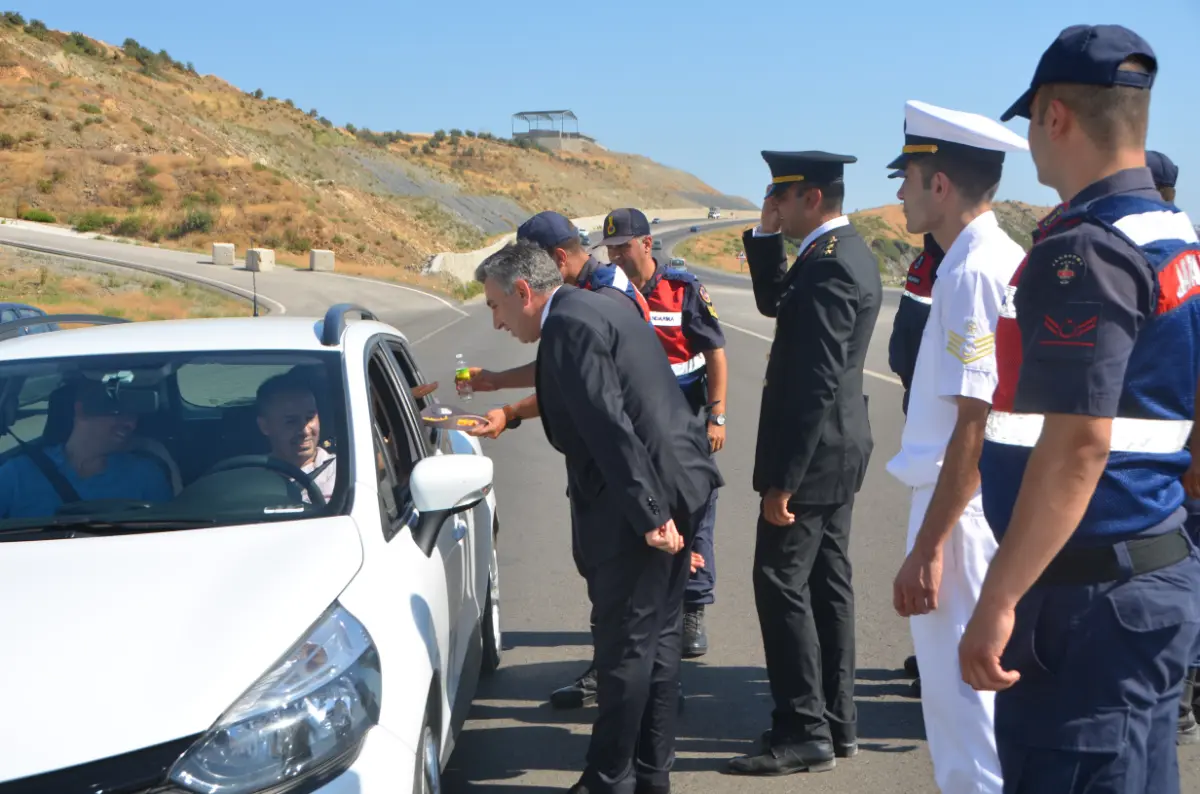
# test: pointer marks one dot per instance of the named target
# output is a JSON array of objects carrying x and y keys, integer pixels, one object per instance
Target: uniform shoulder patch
[
  {"x": 706, "y": 300},
  {"x": 971, "y": 345},
  {"x": 830, "y": 246},
  {"x": 1067, "y": 267}
]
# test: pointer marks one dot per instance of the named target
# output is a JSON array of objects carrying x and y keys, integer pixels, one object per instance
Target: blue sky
[{"x": 699, "y": 85}]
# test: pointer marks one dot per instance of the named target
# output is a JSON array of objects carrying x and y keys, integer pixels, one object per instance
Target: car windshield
[{"x": 150, "y": 442}]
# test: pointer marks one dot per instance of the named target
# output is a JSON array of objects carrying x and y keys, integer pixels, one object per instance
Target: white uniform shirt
[
  {"x": 324, "y": 481},
  {"x": 957, "y": 356}
]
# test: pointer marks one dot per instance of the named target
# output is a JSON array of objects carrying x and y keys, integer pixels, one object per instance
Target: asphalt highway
[{"x": 514, "y": 741}]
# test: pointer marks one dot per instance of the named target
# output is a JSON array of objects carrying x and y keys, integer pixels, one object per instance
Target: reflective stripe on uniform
[
  {"x": 1152, "y": 436},
  {"x": 668, "y": 319},
  {"x": 689, "y": 366},
  {"x": 918, "y": 298}
]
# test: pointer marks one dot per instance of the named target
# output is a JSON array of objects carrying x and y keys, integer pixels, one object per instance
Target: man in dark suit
[
  {"x": 814, "y": 443},
  {"x": 639, "y": 475}
]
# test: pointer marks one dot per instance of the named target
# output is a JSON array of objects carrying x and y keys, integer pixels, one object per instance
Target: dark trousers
[
  {"x": 637, "y": 625},
  {"x": 1102, "y": 669},
  {"x": 805, "y": 600},
  {"x": 702, "y": 584}
]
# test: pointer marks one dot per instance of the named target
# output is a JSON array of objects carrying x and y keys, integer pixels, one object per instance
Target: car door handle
[{"x": 460, "y": 529}]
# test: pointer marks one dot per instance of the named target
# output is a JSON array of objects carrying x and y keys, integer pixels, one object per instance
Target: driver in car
[
  {"x": 287, "y": 416},
  {"x": 93, "y": 464}
]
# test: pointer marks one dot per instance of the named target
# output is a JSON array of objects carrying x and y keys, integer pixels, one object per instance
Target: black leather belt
[{"x": 1096, "y": 564}]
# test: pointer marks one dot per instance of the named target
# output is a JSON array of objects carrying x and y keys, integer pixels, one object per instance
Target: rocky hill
[
  {"x": 882, "y": 227},
  {"x": 127, "y": 141}
]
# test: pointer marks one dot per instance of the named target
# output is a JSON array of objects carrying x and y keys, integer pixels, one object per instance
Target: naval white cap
[{"x": 929, "y": 129}]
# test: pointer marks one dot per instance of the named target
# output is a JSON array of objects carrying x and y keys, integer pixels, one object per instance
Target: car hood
[{"x": 114, "y": 644}]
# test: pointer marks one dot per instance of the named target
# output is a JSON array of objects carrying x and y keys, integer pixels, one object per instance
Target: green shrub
[
  {"x": 195, "y": 221},
  {"x": 91, "y": 221},
  {"x": 38, "y": 216}
]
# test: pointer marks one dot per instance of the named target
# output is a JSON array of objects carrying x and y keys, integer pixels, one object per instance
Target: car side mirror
[{"x": 443, "y": 486}]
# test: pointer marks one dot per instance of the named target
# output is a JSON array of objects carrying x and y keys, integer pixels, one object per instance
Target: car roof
[{"x": 180, "y": 336}]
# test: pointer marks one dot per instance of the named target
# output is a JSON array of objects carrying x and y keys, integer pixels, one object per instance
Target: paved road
[{"x": 513, "y": 740}]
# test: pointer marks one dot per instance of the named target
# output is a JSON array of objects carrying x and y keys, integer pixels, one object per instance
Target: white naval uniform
[{"x": 956, "y": 358}]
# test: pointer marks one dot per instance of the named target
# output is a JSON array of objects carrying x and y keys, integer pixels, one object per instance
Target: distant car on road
[
  {"x": 678, "y": 263},
  {"x": 657, "y": 245},
  {"x": 268, "y": 628},
  {"x": 713, "y": 212},
  {"x": 10, "y": 312},
  {"x": 657, "y": 220},
  {"x": 584, "y": 237},
  {"x": 694, "y": 229}
]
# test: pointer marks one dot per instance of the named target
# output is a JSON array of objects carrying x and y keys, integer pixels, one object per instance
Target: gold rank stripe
[
  {"x": 929, "y": 148},
  {"x": 979, "y": 348},
  {"x": 779, "y": 180}
]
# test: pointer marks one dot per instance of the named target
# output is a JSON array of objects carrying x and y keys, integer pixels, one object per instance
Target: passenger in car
[
  {"x": 288, "y": 417},
  {"x": 93, "y": 464}
]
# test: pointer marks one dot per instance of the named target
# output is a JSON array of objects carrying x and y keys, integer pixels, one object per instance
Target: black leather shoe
[
  {"x": 840, "y": 749},
  {"x": 577, "y": 695},
  {"x": 695, "y": 638},
  {"x": 652, "y": 788},
  {"x": 910, "y": 667},
  {"x": 786, "y": 759}
]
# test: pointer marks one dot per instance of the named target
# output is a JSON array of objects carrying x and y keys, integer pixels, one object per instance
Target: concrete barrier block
[
  {"x": 222, "y": 254},
  {"x": 260, "y": 259},
  {"x": 320, "y": 259}
]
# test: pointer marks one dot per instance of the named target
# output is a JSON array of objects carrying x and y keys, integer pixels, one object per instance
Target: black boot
[
  {"x": 577, "y": 695},
  {"x": 695, "y": 638},
  {"x": 910, "y": 667},
  {"x": 1189, "y": 730}
]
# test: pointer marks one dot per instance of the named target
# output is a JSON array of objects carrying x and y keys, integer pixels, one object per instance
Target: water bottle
[{"x": 462, "y": 377}]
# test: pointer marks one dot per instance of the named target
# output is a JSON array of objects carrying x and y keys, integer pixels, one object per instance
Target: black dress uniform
[{"x": 814, "y": 442}]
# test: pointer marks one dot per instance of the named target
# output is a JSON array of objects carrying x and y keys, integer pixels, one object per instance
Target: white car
[{"x": 216, "y": 625}]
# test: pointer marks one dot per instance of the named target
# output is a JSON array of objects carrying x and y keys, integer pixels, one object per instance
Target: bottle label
[{"x": 463, "y": 373}]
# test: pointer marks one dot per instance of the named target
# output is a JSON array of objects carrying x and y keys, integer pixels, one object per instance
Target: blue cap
[
  {"x": 621, "y": 226},
  {"x": 1162, "y": 169},
  {"x": 547, "y": 229},
  {"x": 1088, "y": 55},
  {"x": 899, "y": 172}
]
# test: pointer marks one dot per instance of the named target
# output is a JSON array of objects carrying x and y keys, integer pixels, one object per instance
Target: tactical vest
[
  {"x": 613, "y": 276},
  {"x": 1140, "y": 490},
  {"x": 666, "y": 314}
]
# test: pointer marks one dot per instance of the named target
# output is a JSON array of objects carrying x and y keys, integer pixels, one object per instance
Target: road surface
[{"x": 514, "y": 741}]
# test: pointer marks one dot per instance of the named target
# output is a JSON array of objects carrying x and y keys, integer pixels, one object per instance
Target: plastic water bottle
[{"x": 462, "y": 377}]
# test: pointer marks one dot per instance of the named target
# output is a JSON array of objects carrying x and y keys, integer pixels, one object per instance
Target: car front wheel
[
  {"x": 491, "y": 617},
  {"x": 429, "y": 771}
]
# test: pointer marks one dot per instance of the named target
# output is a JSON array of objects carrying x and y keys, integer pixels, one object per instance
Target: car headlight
[{"x": 307, "y": 716}]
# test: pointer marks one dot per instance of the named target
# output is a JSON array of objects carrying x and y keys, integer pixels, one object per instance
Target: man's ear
[
  {"x": 521, "y": 287},
  {"x": 262, "y": 425}
]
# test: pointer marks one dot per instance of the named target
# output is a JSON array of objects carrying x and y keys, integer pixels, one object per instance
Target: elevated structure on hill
[{"x": 548, "y": 128}]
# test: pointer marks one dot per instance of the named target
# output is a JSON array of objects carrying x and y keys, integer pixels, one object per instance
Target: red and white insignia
[{"x": 1067, "y": 267}]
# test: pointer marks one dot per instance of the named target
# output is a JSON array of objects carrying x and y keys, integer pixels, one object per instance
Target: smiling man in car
[
  {"x": 92, "y": 464},
  {"x": 288, "y": 417}
]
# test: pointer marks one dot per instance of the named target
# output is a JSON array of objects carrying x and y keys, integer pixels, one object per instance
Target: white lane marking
[
  {"x": 162, "y": 270},
  {"x": 437, "y": 298},
  {"x": 438, "y": 330},
  {"x": 756, "y": 335}
]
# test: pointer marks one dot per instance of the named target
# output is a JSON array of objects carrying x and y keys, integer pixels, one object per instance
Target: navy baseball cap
[
  {"x": 1162, "y": 169},
  {"x": 1088, "y": 55},
  {"x": 621, "y": 226},
  {"x": 547, "y": 229}
]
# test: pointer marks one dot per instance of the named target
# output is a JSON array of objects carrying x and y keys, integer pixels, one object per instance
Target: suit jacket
[
  {"x": 814, "y": 435},
  {"x": 637, "y": 454}
]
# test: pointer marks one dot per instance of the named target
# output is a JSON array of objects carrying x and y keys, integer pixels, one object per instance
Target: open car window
[{"x": 176, "y": 438}]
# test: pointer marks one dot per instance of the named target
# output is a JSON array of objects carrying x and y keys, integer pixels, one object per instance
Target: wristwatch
[{"x": 717, "y": 419}]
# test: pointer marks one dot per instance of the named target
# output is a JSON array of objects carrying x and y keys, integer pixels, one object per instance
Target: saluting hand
[
  {"x": 771, "y": 220},
  {"x": 915, "y": 590},
  {"x": 982, "y": 644},
  {"x": 666, "y": 538},
  {"x": 775, "y": 509},
  {"x": 496, "y": 422}
]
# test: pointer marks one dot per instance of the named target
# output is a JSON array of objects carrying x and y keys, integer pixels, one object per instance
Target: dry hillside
[
  {"x": 882, "y": 227},
  {"x": 125, "y": 141}
]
